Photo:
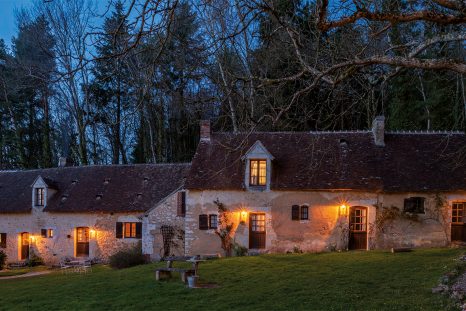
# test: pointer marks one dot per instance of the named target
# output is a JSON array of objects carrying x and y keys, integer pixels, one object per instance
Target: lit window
[
  {"x": 40, "y": 196},
  {"x": 130, "y": 230},
  {"x": 46, "y": 233},
  {"x": 258, "y": 172}
]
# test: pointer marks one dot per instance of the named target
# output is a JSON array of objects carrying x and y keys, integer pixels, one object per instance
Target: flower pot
[{"x": 192, "y": 281}]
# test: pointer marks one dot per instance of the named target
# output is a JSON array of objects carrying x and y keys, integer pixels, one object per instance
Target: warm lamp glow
[
  {"x": 33, "y": 238},
  {"x": 343, "y": 209},
  {"x": 243, "y": 216},
  {"x": 92, "y": 233}
]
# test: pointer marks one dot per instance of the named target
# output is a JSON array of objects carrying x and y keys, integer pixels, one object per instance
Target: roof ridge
[
  {"x": 425, "y": 132},
  {"x": 296, "y": 132},
  {"x": 95, "y": 166}
]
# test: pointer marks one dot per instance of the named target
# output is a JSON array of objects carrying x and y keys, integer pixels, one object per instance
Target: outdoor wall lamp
[
  {"x": 92, "y": 233},
  {"x": 243, "y": 217},
  {"x": 343, "y": 210}
]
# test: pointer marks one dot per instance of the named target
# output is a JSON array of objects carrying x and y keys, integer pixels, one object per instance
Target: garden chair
[{"x": 64, "y": 267}]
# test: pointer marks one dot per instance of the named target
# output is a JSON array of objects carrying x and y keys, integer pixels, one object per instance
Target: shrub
[
  {"x": 2, "y": 259},
  {"x": 239, "y": 250},
  {"x": 126, "y": 258},
  {"x": 34, "y": 260}
]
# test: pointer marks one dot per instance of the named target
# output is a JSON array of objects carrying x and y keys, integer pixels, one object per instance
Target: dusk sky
[{"x": 7, "y": 17}]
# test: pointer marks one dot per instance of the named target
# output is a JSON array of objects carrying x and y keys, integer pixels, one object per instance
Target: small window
[
  {"x": 40, "y": 192},
  {"x": 181, "y": 204},
  {"x": 414, "y": 205},
  {"x": 128, "y": 230},
  {"x": 213, "y": 221},
  {"x": 300, "y": 212},
  {"x": 304, "y": 212},
  {"x": 258, "y": 172},
  {"x": 457, "y": 212},
  {"x": 46, "y": 233},
  {"x": 2, "y": 240},
  {"x": 203, "y": 222}
]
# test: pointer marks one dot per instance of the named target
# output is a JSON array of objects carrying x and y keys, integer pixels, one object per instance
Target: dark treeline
[{"x": 104, "y": 90}]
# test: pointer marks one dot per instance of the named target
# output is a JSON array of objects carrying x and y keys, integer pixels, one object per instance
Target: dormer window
[
  {"x": 258, "y": 172},
  {"x": 40, "y": 196},
  {"x": 258, "y": 168}
]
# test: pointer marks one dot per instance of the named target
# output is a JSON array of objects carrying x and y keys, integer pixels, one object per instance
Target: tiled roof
[
  {"x": 106, "y": 188},
  {"x": 335, "y": 160}
]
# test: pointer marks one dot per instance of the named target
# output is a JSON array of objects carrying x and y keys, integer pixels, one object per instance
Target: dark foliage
[{"x": 126, "y": 258}]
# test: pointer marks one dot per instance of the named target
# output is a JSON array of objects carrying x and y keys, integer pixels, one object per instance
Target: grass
[{"x": 373, "y": 280}]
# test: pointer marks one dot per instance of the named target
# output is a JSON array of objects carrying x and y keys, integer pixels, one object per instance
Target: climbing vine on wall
[
  {"x": 225, "y": 228},
  {"x": 387, "y": 215},
  {"x": 172, "y": 237}
]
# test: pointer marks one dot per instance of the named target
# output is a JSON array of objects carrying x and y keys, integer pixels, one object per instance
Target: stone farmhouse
[
  {"x": 274, "y": 191},
  {"x": 88, "y": 211}
]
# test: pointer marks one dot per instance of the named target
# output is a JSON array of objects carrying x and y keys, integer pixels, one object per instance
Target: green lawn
[{"x": 373, "y": 280}]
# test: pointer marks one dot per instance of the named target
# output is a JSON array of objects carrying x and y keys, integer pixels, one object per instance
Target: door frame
[
  {"x": 20, "y": 245},
  {"x": 459, "y": 226},
  {"x": 365, "y": 232},
  {"x": 76, "y": 242},
  {"x": 251, "y": 232}
]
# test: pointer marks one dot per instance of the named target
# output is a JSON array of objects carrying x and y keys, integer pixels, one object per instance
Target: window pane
[
  {"x": 127, "y": 229},
  {"x": 133, "y": 229},
  {"x": 262, "y": 172}
]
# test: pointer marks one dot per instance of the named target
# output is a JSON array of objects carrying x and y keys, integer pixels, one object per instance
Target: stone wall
[
  {"x": 163, "y": 214},
  {"x": 431, "y": 229},
  {"x": 327, "y": 227},
  {"x": 102, "y": 242}
]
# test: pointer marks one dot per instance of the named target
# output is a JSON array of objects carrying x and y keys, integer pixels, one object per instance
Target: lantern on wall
[
  {"x": 243, "y": 216},
  {"x": 343, "y": 210},
  {"x": 92, "y": 233}
]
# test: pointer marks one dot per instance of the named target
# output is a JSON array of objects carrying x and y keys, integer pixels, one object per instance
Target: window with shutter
[
  {"x": 43, "y": 233},
  {"x": 181, "y": 203},
  {"x": 3, "y": 240},
  {"x": 203, "y": 222},
  {"x": 119, "y": 230},
  {"x": 295, "y": 212}
]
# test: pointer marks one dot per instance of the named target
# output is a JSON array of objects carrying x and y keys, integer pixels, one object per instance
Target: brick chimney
[
  {"x": 64, "y": 161},
  {"x": 205, "y": 130},
  {"x": 378, "y": 131}
]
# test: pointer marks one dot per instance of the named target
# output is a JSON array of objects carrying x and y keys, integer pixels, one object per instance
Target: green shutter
[
  {"x": 119, "y": 230},
  {"x": 138, "y": 230},
  {"x": 295, "y": 212},
  {"x": 3, "y": 240},
  {"x": 203, "y": 222}
]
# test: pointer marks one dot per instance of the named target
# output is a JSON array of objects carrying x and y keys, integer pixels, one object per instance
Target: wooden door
[
  {"x": 458, "y": 230},
  {"x": 257, "y": 230},
  {"x": 82, "y": 242},
  {"x": 24, "y": 245},
  {"x": 358, "y": 228}
]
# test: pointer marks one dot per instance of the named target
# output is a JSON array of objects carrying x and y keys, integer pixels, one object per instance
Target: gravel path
[{"x": 26, "y": 275}]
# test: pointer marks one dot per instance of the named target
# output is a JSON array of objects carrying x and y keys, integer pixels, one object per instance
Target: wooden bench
[{"x": 166, "y": 272}]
